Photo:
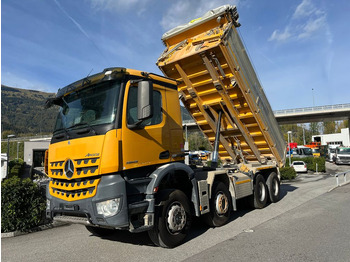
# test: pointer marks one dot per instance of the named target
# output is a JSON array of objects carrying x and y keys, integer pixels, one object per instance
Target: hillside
[{"x": 22, "y": 111}]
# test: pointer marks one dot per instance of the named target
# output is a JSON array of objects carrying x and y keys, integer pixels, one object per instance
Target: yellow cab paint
[{"x": 144, "y": 146}]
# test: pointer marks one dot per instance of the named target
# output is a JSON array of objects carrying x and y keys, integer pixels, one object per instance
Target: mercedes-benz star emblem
[{"x": 69, "y": 168}]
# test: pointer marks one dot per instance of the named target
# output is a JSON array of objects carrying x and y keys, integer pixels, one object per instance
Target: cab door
[{"x": 147, "y": 144}]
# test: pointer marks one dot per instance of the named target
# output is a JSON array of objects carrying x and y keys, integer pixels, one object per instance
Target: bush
[
  {"x": 22, "y": 205},
  {"x": 321, "y": 162},
  {"x": 288, "y": 173},
  {"x": 16, "y": 168}
]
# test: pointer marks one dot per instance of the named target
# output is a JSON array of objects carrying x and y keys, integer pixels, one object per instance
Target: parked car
[{"x": 299, "y": 166}]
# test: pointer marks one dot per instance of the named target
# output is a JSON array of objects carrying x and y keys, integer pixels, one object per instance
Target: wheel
[
  {"x": 259, "y": 197},
  {"x": 220, "y": 206},
  {"x": 273, "y": 186},
  {"x": 99, "y": 231},
  {"x": 172, "y": 219}
]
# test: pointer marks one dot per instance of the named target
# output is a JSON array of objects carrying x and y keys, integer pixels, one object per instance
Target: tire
[
  {"x": 259, "y": 198},
  {"x": 99, "y": 231},
  {"x": 220, "y": 206},
  {"x": 172, "y": 219},
  {"x": 273, "y": 186}
]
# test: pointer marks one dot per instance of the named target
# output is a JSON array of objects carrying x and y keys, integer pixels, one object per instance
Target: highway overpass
[
  {"x": 313, "y": 114},
  {"x": 304, "y": 115}
]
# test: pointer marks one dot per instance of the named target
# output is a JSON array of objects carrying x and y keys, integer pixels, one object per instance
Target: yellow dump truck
[{"x": 116, "y": 159}]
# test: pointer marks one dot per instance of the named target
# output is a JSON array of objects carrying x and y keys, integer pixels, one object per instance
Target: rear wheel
[
  {"x": 273, "y": 186},
  {"x": 172, "y": 219},
  {"x": 220, "y": 206},
  {"x": 99, "y": 231},
  {"x": 259, "y": 198}
]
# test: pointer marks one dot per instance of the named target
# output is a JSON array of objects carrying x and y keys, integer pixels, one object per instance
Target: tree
[
  {"x": 315, "y": 128},
  {"x": 342, "y": 124},
  {"x": 198, "y": 142},
  {"x": 329, "y": 127}
]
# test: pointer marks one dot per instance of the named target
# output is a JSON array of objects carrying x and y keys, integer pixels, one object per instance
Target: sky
[{"x": 299, "y": 48}]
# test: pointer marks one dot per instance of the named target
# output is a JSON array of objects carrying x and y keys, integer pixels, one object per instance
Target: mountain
[
  {"x": 185, "y": 114},
  {"x": 23, "y": 112}
]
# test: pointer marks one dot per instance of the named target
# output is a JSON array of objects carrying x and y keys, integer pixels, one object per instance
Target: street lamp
[
  {"x": 8, "y": 151},
  {"x": 289, "y": 133}
]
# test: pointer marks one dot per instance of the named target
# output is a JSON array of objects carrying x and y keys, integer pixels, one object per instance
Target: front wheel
[
  {"x": 220, "y": 206},
  {"x": 172, "y": 219}
]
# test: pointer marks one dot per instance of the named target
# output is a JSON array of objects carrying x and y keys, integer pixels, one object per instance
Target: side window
[{"x": 132, "y": 108}]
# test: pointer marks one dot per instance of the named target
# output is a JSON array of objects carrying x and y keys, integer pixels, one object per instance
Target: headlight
[
  {"x": 108, "y": 208},
  {"x": 47, "y": 204}
]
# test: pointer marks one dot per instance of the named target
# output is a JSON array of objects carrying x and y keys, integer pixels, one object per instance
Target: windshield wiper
[
  {"x": 64, "y": 129},
  {"x": 83, "y": 124}
]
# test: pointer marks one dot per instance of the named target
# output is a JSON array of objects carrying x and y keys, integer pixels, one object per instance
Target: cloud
[
  {"x": 304, "y": 9},
  {"x": 81, "y": 29},
  {"x": 306, "y": 22},
  {"x": 276, "y": 35},
  {"x": 312, "y": 26},
  {"x": 184, "y": 11}
]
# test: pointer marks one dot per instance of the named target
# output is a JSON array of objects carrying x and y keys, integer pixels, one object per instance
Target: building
[
  {"x": 34, "y": 155},
  {"x": 3, "y": 166},
  {"x": 342, "y": 138}
]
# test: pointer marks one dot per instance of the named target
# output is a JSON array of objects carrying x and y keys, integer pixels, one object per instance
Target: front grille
[
  {"x": 80, "y": 185},
  {"x": 344, "y": 158}
]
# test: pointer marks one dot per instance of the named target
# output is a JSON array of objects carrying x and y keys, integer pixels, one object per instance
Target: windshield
[
  {"x": 315, "y": 150},
  {"x": 344, "y": 151},
  {"x": 298, "y": 163},
  {"x": 95, "y": 105},
  {"x": 306, "y": 151}
]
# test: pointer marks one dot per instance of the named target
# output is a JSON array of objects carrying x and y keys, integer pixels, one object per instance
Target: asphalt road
[
  {"x": 308, "y": 224},
  {"x": 318, "y": 230}
]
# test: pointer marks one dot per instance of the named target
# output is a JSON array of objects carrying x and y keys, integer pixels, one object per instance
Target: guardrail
[
  {"x": 27, "y": 138},
  {"x": 184, "y": 122},
  {"x": 344, "y": 177},
  {"x": 312, "y": 109},
  {"x": 305, "y": 110}
]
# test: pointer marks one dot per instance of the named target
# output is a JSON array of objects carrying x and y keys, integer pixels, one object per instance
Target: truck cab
[
  {"x": 342, "y": 155},
  {"x": 98, "y": 167}
]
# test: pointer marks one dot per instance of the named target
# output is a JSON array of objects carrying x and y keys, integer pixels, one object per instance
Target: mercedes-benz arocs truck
[{"x": 116, "y": 158}]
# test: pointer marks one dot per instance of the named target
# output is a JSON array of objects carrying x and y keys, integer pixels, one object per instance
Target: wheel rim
[
  {"x": 221, "y": 203},
  {"x": 262, "y": 192},
  {"x": 176, "y": 218}
]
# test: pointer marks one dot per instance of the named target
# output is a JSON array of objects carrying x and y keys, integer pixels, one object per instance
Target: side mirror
[{"x": 145, "y": 100}]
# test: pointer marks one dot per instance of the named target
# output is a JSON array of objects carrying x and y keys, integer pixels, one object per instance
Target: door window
[{"x": 157, "y": 117}]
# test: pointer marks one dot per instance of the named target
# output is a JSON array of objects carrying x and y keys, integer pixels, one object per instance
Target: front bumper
[{"x": 85, "y": 212}]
